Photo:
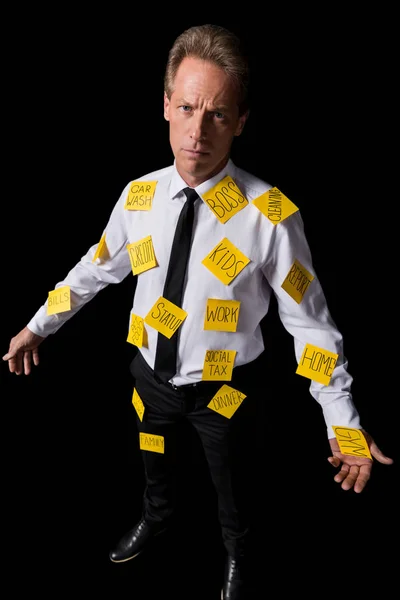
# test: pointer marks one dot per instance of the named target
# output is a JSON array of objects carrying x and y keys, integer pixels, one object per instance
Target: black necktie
[{"x": 165, "y": 361}]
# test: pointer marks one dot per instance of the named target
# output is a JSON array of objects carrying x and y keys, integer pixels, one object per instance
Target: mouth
[{"x": 195, "y": 153}]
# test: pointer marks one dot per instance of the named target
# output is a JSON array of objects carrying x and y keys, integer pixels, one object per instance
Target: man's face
[{"x": 203, "y": 117}]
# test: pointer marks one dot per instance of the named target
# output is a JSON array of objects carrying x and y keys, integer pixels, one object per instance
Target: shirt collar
[{"x": 178, "y": 184}]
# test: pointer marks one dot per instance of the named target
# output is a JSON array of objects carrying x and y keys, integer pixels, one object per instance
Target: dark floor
[
  {"x": 72, "y": 484},
  {"x": 63, "y": 515}
]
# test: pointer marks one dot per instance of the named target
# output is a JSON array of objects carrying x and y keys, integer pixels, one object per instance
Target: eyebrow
[{"x": 221, "y": 108}]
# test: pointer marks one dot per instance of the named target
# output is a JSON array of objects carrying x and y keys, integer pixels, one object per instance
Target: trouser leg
[{"x": 227, "y": 451}]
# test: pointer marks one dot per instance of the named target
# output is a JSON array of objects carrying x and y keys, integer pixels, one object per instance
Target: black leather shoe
[
  {"x": 133, "y": 542},
  {"x": 234, "y": 587}
]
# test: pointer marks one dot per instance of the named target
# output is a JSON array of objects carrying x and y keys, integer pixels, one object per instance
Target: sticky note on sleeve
[
  {"x": 101, "y": 250},
  {"x": 59, "y": 300},
  {"x": 297, "y": 281},
  {"x": 317, "y": 364},
  {"x": 275, "y": 206},
  {"x": 352, "y": 441}
]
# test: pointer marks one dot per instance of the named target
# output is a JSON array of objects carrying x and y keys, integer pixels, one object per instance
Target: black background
[{"x": 83, "y": 116}]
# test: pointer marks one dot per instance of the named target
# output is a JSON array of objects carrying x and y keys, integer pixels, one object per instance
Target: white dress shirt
[{"x": 272, "y": 250}]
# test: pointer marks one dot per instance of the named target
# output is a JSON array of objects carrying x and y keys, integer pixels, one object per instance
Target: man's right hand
[{"x": 23, "y": 349}]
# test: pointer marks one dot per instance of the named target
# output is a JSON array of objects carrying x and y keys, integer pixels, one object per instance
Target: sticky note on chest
[
  {"x": 140, "y": 195},
  {"x": 352, "y": 441},
  {"x": 59, "y": 300},
  {"x": 226, "y": 261},
  {"x": 221, "y": 315},
  {"x": 218, "y": 365},
  {"x": 141, "y": 255},
  {"x": 137, "y": 333},
  {"x": 275, "y": 206},
  {"x": 166, "y": 317},
  {"x": 225, "y": 199},
  {"x": 317, "y": 364}
]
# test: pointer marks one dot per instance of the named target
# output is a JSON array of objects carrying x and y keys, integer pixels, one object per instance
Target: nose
[{"x": 198, "y": 126}]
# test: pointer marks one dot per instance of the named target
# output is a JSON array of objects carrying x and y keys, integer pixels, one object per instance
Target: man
[{"x": 209, "y": 244}]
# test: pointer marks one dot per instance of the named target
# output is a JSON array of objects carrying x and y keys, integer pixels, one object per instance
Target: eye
[
  {"x": 185, "y": 108},
  {"x": 219, "y": 115}
]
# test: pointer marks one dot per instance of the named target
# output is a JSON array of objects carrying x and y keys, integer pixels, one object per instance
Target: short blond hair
[{"x": 214, "y": 44}]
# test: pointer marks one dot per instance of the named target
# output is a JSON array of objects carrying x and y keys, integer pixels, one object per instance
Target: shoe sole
[
  {"x": 137, "y": 553},
  {"x": 126, "y": 559}
]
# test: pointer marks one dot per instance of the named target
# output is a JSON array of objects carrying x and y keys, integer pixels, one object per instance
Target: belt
[{"x": 190, "y": 388}]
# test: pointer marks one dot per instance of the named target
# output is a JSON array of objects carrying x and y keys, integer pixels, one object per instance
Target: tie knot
[{"x": 191, "y": 194}]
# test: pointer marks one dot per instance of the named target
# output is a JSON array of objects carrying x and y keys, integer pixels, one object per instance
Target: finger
[
  {"x": 339, "y": 477},
  {"x": 35, "y": 354},
  {"x": 378, "y": 454},
  {"x": 12, "y": 364},
  {"x": 334, "y": 460},
  {"x": 351, "y": 478},
  {"x": 18, "y": 363},
  {"x": 27, "y": 362},
  {"x": 363, "y": 478}
]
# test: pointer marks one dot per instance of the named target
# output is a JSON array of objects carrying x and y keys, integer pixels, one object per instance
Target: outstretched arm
[
  {"x": 23, "y": 350},
  {"x": 355, "y": 471}
]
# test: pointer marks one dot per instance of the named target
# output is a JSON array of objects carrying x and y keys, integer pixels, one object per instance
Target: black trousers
[{"x": 231, "y": 446}]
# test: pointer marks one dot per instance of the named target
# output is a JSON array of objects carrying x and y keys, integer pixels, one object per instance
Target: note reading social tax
[{"x": 218, "y": 365}]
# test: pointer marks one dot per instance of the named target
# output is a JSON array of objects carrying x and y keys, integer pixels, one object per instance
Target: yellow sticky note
[
  {"x": 165, "y": 316},
  {"x": 59, "y": 300},
  {"x": 218, "y": 365},
  {"x": 317, "y": 364},
  {"x": 297, "y": 281},
  {"x": 226, "y": 401},
  {"x": 225, "y": 199},
  {"x": 137, "y": 332},
  {"x": 352, "y": 441},
  {"x": 141, "y": 254},
  {"x": 138, "y": 404},
  {"x": 101, "y": 250},
  {"x": 140, "y": 195},
  {"x": 275, "y": 206},
  {"x": 221, "y": 315},
  {"x": 226, "y": 261},
  {"x": 151, "y": 442}
]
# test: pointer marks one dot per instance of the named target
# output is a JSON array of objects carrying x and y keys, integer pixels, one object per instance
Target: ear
[
  {"x": 166, "y": 107},
  {"x": 241, "y": 123}
]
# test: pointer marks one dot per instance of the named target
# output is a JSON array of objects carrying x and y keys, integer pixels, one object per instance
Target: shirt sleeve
[
  {"x": 309, "y": 320},
  {"x": 90, "y": 275}
]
